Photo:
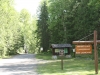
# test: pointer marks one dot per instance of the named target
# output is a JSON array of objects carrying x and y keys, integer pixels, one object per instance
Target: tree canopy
[
  {"x": 70, "y": 20},
  {"x": 57, "y": 21},
  {"x": 16, "y": 29}
]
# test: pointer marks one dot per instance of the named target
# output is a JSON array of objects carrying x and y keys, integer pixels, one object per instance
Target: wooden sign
[
  {"x": 83, "y": 49},
  {"x": 87, "y": 49}
]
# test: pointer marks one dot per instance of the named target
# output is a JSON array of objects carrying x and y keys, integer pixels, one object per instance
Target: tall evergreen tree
[{"x": 42, "y": 27}]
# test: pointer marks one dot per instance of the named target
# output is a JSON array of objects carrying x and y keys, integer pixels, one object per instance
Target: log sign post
[
  {"x": 95, "y": 52},
  {"x": 85, "y": 47},
  {"x": 62, "y": 54}
]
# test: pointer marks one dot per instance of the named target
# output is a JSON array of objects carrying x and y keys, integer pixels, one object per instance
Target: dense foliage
[
  {"x": 42, "y": 27},
  {"x": 70, "y": 20},
  {"x": 80, "y": 17},
  {"x": 16, "y": 29},
  {"x": 58, "y": 21}
]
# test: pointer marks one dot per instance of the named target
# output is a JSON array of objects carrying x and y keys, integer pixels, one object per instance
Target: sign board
[
  {"x": 83, "y": 49},
  {"x": 65, "y": 50},
  {"x": 61, "y": 52},
  {"x": 73, "y": 50}
]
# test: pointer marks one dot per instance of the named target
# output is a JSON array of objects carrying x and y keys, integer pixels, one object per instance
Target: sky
[{"x": 30, "y": 5}]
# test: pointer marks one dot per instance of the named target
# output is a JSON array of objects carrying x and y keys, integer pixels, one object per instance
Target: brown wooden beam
[
  {"x": 85, "y": 42},
  {"x": 53, "y": 51}
]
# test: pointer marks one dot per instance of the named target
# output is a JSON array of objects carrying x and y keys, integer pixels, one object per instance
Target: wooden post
[
  {"x": 95, "y": 52},
  {"x": 62, "y": 55},
  {"x": 74, "y": 55},
  {"x": 62, "y": 62},
  {"x": 53, "y": 51}
]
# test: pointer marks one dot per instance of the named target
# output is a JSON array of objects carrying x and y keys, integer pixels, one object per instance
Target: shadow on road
[{"x": 24, "y": 64}]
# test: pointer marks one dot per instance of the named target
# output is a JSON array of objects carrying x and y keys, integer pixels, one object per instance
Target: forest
[
  {"x": 56, "y": 22},
  {"x": 16, "y": 29},
  {"x": 64, "y": 21}
]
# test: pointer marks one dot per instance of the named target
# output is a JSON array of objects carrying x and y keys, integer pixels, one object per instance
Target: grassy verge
[
  {"x": 45, "y": 56},
  {"x": 73, "y": 66},
  {"x": 5, "y": 57}
]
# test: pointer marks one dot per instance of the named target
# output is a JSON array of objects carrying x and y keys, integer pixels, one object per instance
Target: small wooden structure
[{"x": 65, "y": 47}]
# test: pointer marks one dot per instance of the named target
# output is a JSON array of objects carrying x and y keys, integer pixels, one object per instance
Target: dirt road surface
[{"x": 24, "y": 64}]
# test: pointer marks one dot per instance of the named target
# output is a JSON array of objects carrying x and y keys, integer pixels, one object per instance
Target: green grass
[
  {"x": 45, "y": 56},
  {"x": 73, "y": 66}
]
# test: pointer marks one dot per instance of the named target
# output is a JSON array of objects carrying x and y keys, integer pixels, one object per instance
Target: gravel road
[{"x": 24, "y": 64}]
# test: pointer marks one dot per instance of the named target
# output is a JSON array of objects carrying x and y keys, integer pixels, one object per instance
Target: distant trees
[
  {"x": 8, "y": 27},
  {"x": 16, "y": 29},
  {"x": 27, "y": 24}
]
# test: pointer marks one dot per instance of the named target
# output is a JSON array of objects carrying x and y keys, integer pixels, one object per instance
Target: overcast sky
[{"x": 30, "y": 5}]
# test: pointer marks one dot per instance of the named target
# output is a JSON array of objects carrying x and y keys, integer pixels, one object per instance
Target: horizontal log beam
[{"x": 85, "y": 42}]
